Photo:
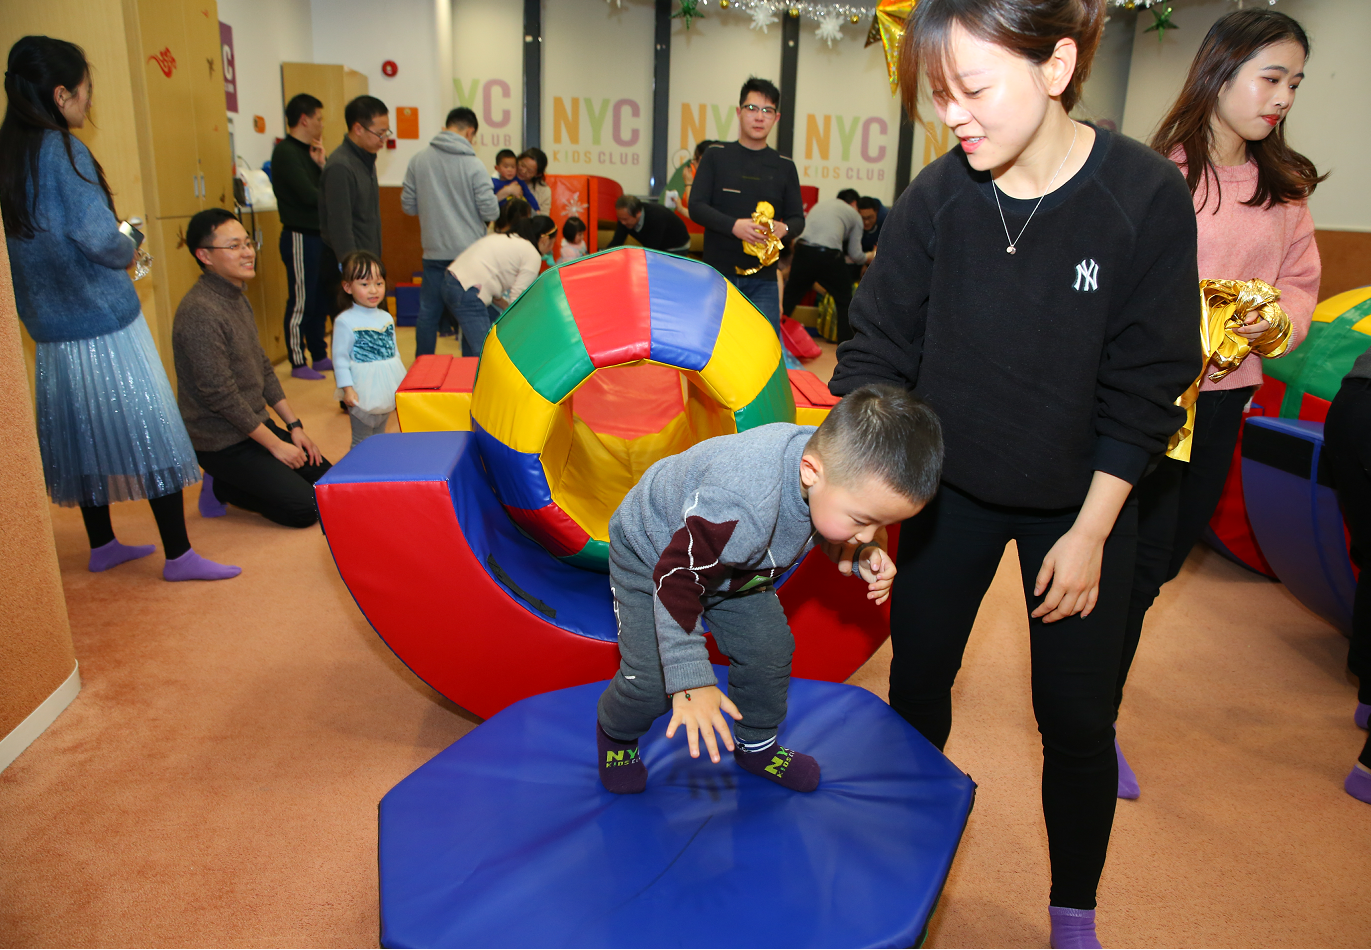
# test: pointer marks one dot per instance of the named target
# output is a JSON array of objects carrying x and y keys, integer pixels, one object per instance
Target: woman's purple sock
[
  {"x": 1362, "y": 714},
  {"x": 192, "y": 567},
  {"x": 109, "y": 555},
  {"x": 1128, "y": 782},
  {"x": 1073, "y": 929},
  {"x": 786, "y": 767},
  {"x": 1358, "y": 784},
  {"x": 621, "y": 764},
  {"x": 210, "y": 505}
]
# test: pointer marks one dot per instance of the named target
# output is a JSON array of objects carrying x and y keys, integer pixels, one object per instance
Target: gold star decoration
[{"x": 887, "y": 28}]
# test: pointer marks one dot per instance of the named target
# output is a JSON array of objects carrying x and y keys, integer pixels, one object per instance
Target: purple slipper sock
[
  {"x": 108, "y": 555},
  {"x": 1358, "y": 784},
  {"x": 1362, "y": 714},
  {"x": 1128, "y": 782},
  {"x": 1073, "y": 929},
  {"x": 323, "y": 365},
  {"x": 304, "y": 372},
  {"x": 210, "y": 505},
  {"x": 786, "y": 767},
  {"x": 192, "y": 567},
  {"x": 621, "y": 765}
]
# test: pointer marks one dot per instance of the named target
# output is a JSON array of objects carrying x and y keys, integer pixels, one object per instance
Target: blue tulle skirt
[{"x": 108, "y": 425}]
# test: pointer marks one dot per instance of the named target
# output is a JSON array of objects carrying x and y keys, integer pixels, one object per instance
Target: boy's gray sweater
[
  {"x": 449, "y": 188},
  {"x": 723, "y": 517}
]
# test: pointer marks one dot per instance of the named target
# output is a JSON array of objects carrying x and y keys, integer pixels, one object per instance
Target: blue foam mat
[{"x": 507, "y": 838}]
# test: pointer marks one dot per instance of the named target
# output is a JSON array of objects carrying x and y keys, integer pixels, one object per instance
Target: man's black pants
[
  {"x": 1347, "y": 440},
  {"x": 822, "y": 265},
  {"x": 248, "y": 476},
  {"x": 306, "y": 310},
  {"x": 947, "y": 559}
]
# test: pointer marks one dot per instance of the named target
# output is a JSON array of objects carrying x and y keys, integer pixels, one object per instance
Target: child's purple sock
[
  {"x": 109, "y": 555},
  {"x": 786, "y": 767},
  {"x": 1362, "y": 714},
  {"x": 621, "y": 765},
  {"x": 1128, "y": 782},
  {"x": 210, "y": 505},
  {"x": 192, "y": 567},
  {"x": 1073, "y": 929},
  {"x": 1358, "y": 784}
]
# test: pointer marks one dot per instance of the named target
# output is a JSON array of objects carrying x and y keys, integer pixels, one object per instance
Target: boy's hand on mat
[
  {"x": 1072, "y": 567},
  {"x": 700, "y": 711},
  {"x": 349, "y": 395},
  {"x": 878, "y": 570}
]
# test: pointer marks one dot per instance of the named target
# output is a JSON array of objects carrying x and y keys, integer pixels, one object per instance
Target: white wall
[
  {"x": 487, "y": 72},
  {"x": 265, "y": 34},
  {"x": 1331, "y": 119},
  {"x": 413, "y": 33}
]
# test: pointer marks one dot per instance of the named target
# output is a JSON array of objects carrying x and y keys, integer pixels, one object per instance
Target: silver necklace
[{"x": 993, "y": 184}]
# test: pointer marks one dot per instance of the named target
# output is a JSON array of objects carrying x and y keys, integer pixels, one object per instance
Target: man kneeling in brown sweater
[{"x": 225, "y": 383}]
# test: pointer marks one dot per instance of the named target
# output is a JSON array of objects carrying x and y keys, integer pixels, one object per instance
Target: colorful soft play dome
[
  {"x": 605, "y": 365},
  {"x": 1339, "y": 333}
]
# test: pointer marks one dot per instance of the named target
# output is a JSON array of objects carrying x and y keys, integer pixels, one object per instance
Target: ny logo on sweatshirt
[{"x": 1087, "y": 276}]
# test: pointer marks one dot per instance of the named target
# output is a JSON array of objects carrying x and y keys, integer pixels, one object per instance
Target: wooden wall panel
[
  {"x": 401, "y": 249},
  {"x": 1346, "y": 259}
]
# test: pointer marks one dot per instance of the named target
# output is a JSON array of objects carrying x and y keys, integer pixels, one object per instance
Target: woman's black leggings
[
  {"x": 1175, "y": 502},
  {"x": 168, "y": 510},
  {"x": 1347, "y": 439},
  {"x": 947, "y": 559}
]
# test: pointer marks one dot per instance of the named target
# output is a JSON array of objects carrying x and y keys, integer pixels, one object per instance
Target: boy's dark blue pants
[{"x": 749, "y": 628}]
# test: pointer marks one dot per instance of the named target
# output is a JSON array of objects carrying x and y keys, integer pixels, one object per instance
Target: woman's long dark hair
[
  {"x": 534, "y": 228},
  {"x": 37, "y": 66},
  {"x": 1283, "y": 174}
]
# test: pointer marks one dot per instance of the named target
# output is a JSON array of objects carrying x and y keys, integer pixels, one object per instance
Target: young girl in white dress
[{"x": 366, "y": 364}]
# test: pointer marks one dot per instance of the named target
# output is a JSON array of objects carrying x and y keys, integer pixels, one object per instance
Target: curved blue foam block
[
  {"x": 507, "y": 838},
  {"x": 1295, "y": 515}
]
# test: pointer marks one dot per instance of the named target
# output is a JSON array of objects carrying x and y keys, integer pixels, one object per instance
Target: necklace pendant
[{"x": 1009, "y": 250}]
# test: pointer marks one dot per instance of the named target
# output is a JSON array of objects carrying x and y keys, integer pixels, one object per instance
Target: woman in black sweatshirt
[{"x": 1037, "y": 286}]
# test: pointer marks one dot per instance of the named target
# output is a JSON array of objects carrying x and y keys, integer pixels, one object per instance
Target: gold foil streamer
[
  {"x": 767, "y": 251},
  {"x": 1227, "y": 306},
  {"x": 887, "y": 28}
]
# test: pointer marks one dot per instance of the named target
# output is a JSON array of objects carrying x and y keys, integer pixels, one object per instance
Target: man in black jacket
[
  {"x": 732, "y": 178},
  {"x": 296, "y": 164},
  {"x": 651, "y": 225},
  {"x": 349, "y": 194}
]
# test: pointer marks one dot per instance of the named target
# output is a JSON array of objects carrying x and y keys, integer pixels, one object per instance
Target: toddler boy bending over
[{"x": 703, "y": 535}]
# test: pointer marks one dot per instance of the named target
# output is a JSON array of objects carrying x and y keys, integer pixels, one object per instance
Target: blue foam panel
[
  {"x": 507, "y": 839},
  {"x": 1295, "y": 515}
]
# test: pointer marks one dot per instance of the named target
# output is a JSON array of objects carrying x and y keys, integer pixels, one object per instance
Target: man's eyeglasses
[
  {"x": 382, "y": 135},
  {"x": 764, "y": 110},
  {"x": 237, "y": 247}
]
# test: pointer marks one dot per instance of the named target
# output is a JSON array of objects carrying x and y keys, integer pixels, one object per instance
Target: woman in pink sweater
[{"x": 1226, "y": 131}]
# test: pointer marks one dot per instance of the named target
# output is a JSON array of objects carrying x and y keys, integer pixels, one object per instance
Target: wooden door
[
  {"x": 205, "y": 73},
  {"x": 167, "y": 61},
  {"x": 271, "y": 285},
  {"x": 325, "y": 83}
]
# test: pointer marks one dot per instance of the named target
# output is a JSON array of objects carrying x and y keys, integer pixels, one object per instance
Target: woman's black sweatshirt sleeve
[{"x": 1152, "y": 350}]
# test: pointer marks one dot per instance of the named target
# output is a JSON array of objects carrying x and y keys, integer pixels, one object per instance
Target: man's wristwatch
[{"x": 297, "y": 424}]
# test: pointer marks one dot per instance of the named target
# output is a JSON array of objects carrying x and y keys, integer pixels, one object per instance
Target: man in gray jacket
[
  {"x": 449, "y": 188},
  {"x": 349, "y": 194}
]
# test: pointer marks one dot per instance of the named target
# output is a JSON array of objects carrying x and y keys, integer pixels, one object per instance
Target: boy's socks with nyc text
[{"x": 621, "y": 764}]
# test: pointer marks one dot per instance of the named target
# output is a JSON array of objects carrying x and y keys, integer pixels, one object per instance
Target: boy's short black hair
[
  {"x": 764, "y": 86},
  {"x": 629, "y": 203},
  {"x": 200, "y": 230},
  {"x": 363, "y": 109},
  {"x": 300, "y": 106},
  {"x": 886, "y": 432},
  {"x": 461, "y": 118},
  {"x": 849, "y": 195},
  {"x": 573, "y": 229},
  {"x": 505, "y": 153},
  {"x": 868, "y": 203}
]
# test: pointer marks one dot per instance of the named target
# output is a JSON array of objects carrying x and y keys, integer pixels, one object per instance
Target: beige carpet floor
[{"x": 216, "y": 782}]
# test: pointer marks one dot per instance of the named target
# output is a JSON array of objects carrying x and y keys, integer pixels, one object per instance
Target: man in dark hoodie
[
  {"x": 349, "y": 195},
  {"x": 448, "y": 187}
]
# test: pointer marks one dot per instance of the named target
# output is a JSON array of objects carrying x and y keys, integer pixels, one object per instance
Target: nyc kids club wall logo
[
  {"x": 844, "y": 148},
  {"x": 588, "y": 131},
  {"x": 493, "y": 102}
]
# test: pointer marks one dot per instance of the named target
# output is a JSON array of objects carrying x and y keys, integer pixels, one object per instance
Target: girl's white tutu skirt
[
  {"x": 108, "y": 426},
  {"x": 375, "y": 383}
]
